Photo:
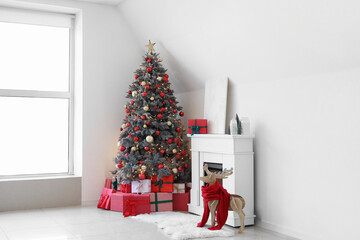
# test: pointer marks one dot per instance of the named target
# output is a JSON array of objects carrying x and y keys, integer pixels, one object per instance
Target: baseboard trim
[{"x": 285, "y": 231}]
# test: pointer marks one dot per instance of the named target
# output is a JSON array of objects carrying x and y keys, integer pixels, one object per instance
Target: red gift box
[
  {"x": 165, "y": 184},
  {"x": 105, "y": 198},
  {"x": 197, "y": 126},
  {"x": 117, "y": 201},
  {"x": 108, "y": 183},
  {"x": 161, "y": 202},
  {"x": 180, "y": 201},
  {"x": 125, "y": 188},
  {"x": 134, "y": 204}
]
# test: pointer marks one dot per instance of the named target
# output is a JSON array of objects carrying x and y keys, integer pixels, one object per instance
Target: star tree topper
[{"x": 150, "y": 46}]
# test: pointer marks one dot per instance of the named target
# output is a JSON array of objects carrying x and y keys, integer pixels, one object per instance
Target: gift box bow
[
  {"x": 195, "y": 129},
  {"x": 131, "y": 206},
  {"x": 160, "y": 183},
  {"x": 178, "y": 188},
  {"x": 157, "y": 202}
]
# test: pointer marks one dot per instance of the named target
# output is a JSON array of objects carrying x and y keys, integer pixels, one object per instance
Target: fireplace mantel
[{"x": 232, "y": 151}]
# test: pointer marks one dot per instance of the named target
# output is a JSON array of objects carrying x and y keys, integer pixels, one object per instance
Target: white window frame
[{"x": 69, "y": 95}]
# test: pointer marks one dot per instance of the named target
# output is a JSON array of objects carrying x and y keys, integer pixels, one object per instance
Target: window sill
[{"x": 29, "y": 178}]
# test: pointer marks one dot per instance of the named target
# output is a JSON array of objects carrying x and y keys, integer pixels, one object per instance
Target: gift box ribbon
[
  {"x": 195, "y": 129},
  {"x": 177, "y": 187},
  {"x": 131, "y": 206},
  {"x": 157, "y": 202},
  {"x": 160, "y": 183},
  {"x": 139, "y": 187}
]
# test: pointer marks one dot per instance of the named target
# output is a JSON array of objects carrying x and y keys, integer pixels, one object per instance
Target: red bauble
[
  {"x": 162, "y": 109},
  {"x": 166, "y": 75},
  {"x": 165, "y": 79},
  {"x": 136, "y": 128},
  {"x": 176, "y": 139},
  {"x": 181, "y": 114},
  {"x": 128, "y": 124},
  {"x": 147, "y": 87},
  {"x": 149, "y": 69},
  {"x": 141, "y": 176},
  {"x": 179, "y": 143},
  {"x": 143, "y": 117},
  {"x": 186, "y": 165},
  {"x": 160, "y": 166},
  {"x": 174, "y": 111},
  {"x": 177, "y": 156},
  {"x": 171, "y": 101},
  {"x": 132, "y": 102},
  {"x": 121, "y": 129},
  {"x": 169, "y": 90},
  {"x": 156, "y": 86},
  {"x": 159, "y": 115},
  {"x": 133, "y": 110},
  {"x": 144, "y": 94},
  {"x": 119, "y": 165},
  {"x": 157, "y": 133},
  {"x": 162, "y": 151},
  {"x": 129, "y": 136},
  {"x": 163, "y": 102},
  {"x": 156, "y": 107},
  {"x": 129, "y": 92},
  {"x": 178, "y": 129},
  {"x": 122, "y": 148},
  {"x": 148, "y": 123},
  {"x": 180, "y": 168},
  {"x": 140, "y": 162},
  {"x": 136, "y": 139},
  {"x": 136, "y": 76},
  {"x": 170, "y": 141},
  {"x": 183, "y": 153},
  {"x": 162, "y": 94},
  {"x": 127, "y": 154},
  {"x": 149, "y": 60},
  {"x": 126, "y": 117},
  {"x": 146, "y": 148},
  {"x": 127, "y": 110}
]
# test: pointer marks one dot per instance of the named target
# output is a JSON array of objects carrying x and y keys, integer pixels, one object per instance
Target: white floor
[{"x": 91, "y": 223}]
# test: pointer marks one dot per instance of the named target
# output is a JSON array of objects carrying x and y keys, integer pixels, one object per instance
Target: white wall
[
  {"x": 108, "y": 54},
  {"x": 294, "y": 69}
]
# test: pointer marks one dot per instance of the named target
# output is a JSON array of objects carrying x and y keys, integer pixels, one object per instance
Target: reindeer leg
[
  {"x": 212, "y": 207},
  {"x": 236, "y": 205}
]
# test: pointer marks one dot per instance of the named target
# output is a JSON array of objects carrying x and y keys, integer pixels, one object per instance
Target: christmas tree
[{"x": 152, "y": 140}]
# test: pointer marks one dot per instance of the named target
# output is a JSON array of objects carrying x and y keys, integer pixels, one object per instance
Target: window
[{"x": 36, "y": 92}]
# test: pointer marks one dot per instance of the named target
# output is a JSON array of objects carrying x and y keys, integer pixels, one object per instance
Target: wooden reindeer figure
[{"x": 216, "y": 198}]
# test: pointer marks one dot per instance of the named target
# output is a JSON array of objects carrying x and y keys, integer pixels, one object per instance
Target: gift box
[
  {"x": 105, "y": 198},
  {"x": 179, "y": 188},
  {"x": 197, "y": 126},
  {"x": 188, "y": 187},
  {"x": 142, "y": 186},
  {"x": 165, "y": 184},
  {"x": 125, "y": 187},
  {"x": 180, "y": 201},
  {"x": 108, "y": 183},
  {"x": 117, "y": 201},
  {"x": 161, "y": 202},
  {"x": 134, "y": 204}
]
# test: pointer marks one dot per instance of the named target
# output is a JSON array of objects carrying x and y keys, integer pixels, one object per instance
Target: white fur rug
[{"x": 177, "y": 225}]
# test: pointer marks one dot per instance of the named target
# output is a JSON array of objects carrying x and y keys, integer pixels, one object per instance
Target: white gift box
[
  {"x": 142, "y": 186},
  {"x": 179, "y": 188}
]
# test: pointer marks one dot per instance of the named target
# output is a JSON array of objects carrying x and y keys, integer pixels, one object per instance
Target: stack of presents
[{"x": 145, "y": 196}]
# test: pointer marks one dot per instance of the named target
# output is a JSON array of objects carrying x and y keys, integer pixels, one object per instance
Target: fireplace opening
[{"x": 214, "y": 167}]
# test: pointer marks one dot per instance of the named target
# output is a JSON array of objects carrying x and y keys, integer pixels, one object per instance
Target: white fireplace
[{"x": 224, "y": 151}]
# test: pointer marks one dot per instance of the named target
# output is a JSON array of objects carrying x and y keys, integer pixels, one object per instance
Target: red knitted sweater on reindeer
[{"x": 215, "y": 192}]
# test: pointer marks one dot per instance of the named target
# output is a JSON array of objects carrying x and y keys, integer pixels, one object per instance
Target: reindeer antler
[
  {"x": 206, "y": 169},
  {"x": 224, "y": 174}
]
